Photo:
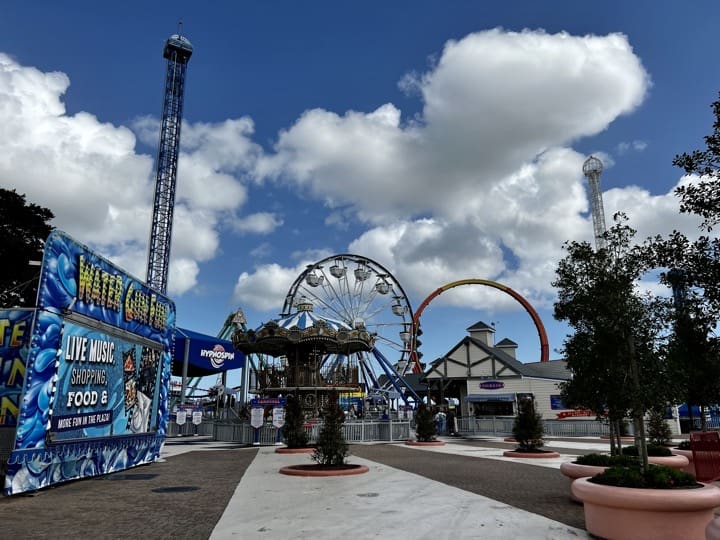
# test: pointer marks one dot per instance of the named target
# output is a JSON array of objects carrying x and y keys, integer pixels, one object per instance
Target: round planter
[
  {"x": 675, "y": 461},
  {"x": 294, "y": 450},
  {"x": 531, "y": 455},
  {"x": 690, "y": 467},
  {"x": 425, "y": 443},
  {"x": 321, "y": 470},
  {"x": 573, "y": 471},
  {"x": 646, "y": 514}
]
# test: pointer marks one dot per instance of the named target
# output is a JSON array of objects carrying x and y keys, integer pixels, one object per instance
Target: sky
[{"x": 442, "y": 140}]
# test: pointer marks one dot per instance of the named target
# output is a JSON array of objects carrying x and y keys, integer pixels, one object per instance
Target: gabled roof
[
  {"x": 506, "y": 343},
  {"x": 480, "y": 326},
  {"x": 554, "y": 369}
]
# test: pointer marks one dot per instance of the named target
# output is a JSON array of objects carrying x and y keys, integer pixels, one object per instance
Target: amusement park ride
[{"x": 346, "y": 321}]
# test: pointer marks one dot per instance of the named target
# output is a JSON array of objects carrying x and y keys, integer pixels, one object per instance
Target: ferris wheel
[{"x": 362, "y": 294}]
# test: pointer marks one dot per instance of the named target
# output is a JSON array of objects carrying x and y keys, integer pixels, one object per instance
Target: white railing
[
  {"x": 353, "y": 431},
  {"x": 502, "y": 426}
]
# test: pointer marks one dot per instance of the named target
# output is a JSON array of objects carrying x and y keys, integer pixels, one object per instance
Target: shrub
[
  {"x": 652, "y": 450},
  {"x": 606, "y": 460},
  {"x": 425, "y": 428},
  {"x": 528, "y": 426},
  {"x": 655, "y": 477},
  {"x": 331, "y": 448},
  {"x": 293, "y": 430},
  {"x": 658, "y": 431}
]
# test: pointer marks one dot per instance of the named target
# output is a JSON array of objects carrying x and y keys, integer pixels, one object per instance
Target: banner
[
  {"x": 106, "y": 386},
  {"x": 15, "y": 329},
  {"x": 97, "y": 372}
]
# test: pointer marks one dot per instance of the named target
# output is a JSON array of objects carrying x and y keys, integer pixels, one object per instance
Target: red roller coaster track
[{"x": 544, "y": 348}]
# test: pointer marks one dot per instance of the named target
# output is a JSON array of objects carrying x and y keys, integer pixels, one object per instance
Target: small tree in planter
[
  {"x": 293, "y": 430},
  {"x": 331, "y": 448},
  {"x": 425, "y": 427},
  {"x": 659, "y": 433},
  {"x": 528, "y": 427}
]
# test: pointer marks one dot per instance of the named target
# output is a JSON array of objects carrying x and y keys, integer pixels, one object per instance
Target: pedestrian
[
  {"x": 440, "y": 422},
  {"x": 451, "y": 427}
]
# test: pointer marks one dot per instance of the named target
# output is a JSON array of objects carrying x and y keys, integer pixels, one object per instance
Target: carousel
[{"x": 314, "y": 356}]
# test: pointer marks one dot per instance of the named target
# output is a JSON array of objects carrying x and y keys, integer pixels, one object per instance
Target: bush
[
  {"x": 425, "y": 428},
  {"x": 655, "y": 477},
  {"x": 658, "y": 431},
  {"x": 293, "y": 430},
  {"x": 652, "y": 449},
  {"x": 606, "y": 460},
  {"x": 331, "y": 448},
  {"x": 528, "y": 427}
]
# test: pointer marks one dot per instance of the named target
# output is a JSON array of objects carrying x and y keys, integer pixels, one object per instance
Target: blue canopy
[{"x": 206, "y": 355}]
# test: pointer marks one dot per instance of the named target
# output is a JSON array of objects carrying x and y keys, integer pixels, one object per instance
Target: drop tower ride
[{"x": 177, "y": 51}]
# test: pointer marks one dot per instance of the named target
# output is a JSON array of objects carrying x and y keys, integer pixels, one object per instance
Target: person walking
[{"x": 451, "y": 426}]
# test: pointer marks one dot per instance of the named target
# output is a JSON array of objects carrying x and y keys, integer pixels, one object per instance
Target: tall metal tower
[
  {"x": 177, "y": 51},
  {"x": 592, "y": 169}
]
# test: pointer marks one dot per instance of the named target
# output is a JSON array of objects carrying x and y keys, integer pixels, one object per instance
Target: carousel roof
[
  {"x": 307, "y": 319},
  {"x": 303, "y": 330}
]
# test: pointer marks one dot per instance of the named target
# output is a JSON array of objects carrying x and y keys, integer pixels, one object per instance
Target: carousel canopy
[{"x": 302, "y": 330}]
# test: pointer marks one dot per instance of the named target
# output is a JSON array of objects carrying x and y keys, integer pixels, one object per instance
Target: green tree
[
  {"x": 528, "y": 426},
  {"x": 658, "y": 431},
  {"x": 23, "y": 229},
  {"x": 425, "y": 428},
  {"x": 293, "y": 430},
  {"x": 331, "y": 448},
  {"x": 703, "y": 197},
  {"x": 614, "y": 351}
]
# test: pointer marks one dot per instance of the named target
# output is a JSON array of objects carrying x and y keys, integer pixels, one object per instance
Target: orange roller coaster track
[{"x": 544, "y": 348}]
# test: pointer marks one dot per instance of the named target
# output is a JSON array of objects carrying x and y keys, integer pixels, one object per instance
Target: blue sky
[{"x": 443, "y": 140}]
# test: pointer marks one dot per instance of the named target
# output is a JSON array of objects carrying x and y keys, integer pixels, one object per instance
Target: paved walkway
[{"x": 202, "y": 489}]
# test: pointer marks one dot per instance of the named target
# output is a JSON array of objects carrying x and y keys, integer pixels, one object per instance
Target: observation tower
[
  {"x": 592, "y": 169},
  {"x": 177, "y": 51}
]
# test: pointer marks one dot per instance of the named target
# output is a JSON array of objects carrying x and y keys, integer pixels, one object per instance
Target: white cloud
[
  {"x": 107, "y": 187},
  {"x": 635, "y": 146},
  {"x": 259, "y": 223},
  {"x": 494, "y": 101},
  {"x": 265, "y": 289},
  {"x": 488, "y": 162}
]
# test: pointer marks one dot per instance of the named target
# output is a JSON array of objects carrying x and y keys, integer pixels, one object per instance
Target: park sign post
[{"x": 97, "y": 372}]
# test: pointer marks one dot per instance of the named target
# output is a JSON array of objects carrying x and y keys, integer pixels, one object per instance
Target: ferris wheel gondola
[{"x": 363, "y": 295}]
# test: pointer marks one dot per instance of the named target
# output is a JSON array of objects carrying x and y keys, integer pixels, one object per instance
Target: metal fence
[
  {"x": 502, "y": 426},
  {"x": 243, "y": 432}
]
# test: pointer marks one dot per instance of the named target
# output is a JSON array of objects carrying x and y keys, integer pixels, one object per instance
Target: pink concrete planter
[
  {"x": 646, "y": 514},
  {"x": 690, "y": 467},
  {"x": 294, "y": 450},
  {"x": 531, "y": 455},
  {"x": 320, "y": 470},
  {"x": 573, "y": 471},
  {"x": 425, "y": 443},
  {"x": 675, "y": 461}
]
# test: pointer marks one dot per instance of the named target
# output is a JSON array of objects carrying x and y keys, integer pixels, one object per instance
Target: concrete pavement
[{"x": 384, "y": 503}]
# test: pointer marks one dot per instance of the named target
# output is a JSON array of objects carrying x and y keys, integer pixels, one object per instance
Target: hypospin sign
[{"x": 217, "y": 355}]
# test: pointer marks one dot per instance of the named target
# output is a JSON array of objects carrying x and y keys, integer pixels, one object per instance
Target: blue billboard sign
[
  {"x": 15, "y": 328},
  {"x": 97, "y": 373}
]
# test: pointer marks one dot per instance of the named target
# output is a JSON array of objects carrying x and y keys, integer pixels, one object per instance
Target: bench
[{"x": 705, "y": 446}]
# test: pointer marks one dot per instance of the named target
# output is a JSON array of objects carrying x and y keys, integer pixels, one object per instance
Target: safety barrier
[
  {"x": 502, "y": 426},
  {"x": 243, "y": 432}
]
